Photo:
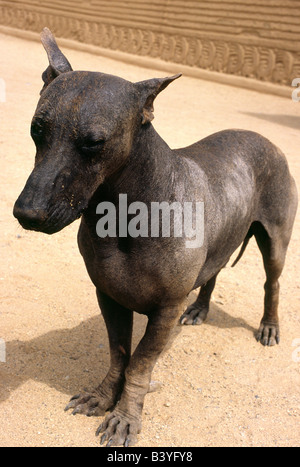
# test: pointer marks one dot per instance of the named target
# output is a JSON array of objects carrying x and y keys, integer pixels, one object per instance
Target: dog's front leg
[
  {"x": 119, "y": 322},
  {"x": 124, "y": 423}
]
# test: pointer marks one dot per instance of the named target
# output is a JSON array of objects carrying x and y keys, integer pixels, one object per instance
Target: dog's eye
[
  {"x": 37, "y": 131},
  {"x": 91, "y": 147}
]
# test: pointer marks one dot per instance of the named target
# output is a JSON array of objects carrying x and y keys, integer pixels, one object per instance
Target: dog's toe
[{"x": 194, "y": 315}]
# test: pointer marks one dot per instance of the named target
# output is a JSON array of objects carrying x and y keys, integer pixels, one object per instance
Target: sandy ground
[{"x": 220, "y": 387}]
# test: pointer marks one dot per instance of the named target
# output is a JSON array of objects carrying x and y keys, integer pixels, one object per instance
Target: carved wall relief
[{"x": 234, "y": 37}]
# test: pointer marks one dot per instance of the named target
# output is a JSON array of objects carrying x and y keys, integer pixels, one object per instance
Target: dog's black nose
[{"x": 29, "y": 218}]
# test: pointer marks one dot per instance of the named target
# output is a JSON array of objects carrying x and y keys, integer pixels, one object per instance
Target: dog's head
[{"x": 83, "y": 129}]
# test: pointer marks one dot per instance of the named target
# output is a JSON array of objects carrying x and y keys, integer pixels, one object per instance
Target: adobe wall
[{"x": 257, "y": 39}]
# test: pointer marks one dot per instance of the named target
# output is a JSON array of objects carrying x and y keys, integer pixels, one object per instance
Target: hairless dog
[{"x": 95, "y": 142}]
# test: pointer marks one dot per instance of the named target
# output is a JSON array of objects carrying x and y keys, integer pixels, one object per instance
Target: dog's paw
[
  {"x": 119, "y": 429},
  {"x": 89, "y": 404},
  {"x": 268, "y": 334},
  {"x": 195, "y": 314}
]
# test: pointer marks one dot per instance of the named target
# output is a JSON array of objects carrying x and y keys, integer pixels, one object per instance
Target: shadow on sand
[
  {"x": 291, "y": 121},
  {"x": 72, "y": 359}
]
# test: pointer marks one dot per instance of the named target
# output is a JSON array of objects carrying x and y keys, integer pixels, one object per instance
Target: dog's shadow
[{"x": 70, "y": 360}]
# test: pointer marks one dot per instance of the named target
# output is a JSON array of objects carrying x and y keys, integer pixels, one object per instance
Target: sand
[{"x": 220, "y": 387}]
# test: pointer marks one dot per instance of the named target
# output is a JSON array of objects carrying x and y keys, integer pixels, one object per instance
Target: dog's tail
[{"x": 245, "y": 244}]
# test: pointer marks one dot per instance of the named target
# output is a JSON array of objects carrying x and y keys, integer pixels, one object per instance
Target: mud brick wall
[{"x": 258, "y": 39}]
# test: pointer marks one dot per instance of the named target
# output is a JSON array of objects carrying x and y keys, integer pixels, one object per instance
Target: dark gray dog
[{"x": 95, "y": 141}]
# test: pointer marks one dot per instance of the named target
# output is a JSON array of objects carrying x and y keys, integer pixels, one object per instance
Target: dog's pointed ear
[
  {"x": 149, "y": 90},
  {"x": 58, "y": 63}
]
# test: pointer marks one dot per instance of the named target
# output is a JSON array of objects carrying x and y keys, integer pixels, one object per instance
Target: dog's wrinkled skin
[{"x": 94, "y": 141}]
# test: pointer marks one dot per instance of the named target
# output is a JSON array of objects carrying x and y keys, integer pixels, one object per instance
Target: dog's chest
[{"x": 138, "y": 274}]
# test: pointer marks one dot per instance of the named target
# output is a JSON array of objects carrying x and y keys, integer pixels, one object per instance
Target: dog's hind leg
[
  {"x": 273, "y": 250},
  {"x": 198, "y": 311}
]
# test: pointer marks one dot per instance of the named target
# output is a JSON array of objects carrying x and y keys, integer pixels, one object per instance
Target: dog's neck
[{"x": 149, "y": 167}]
